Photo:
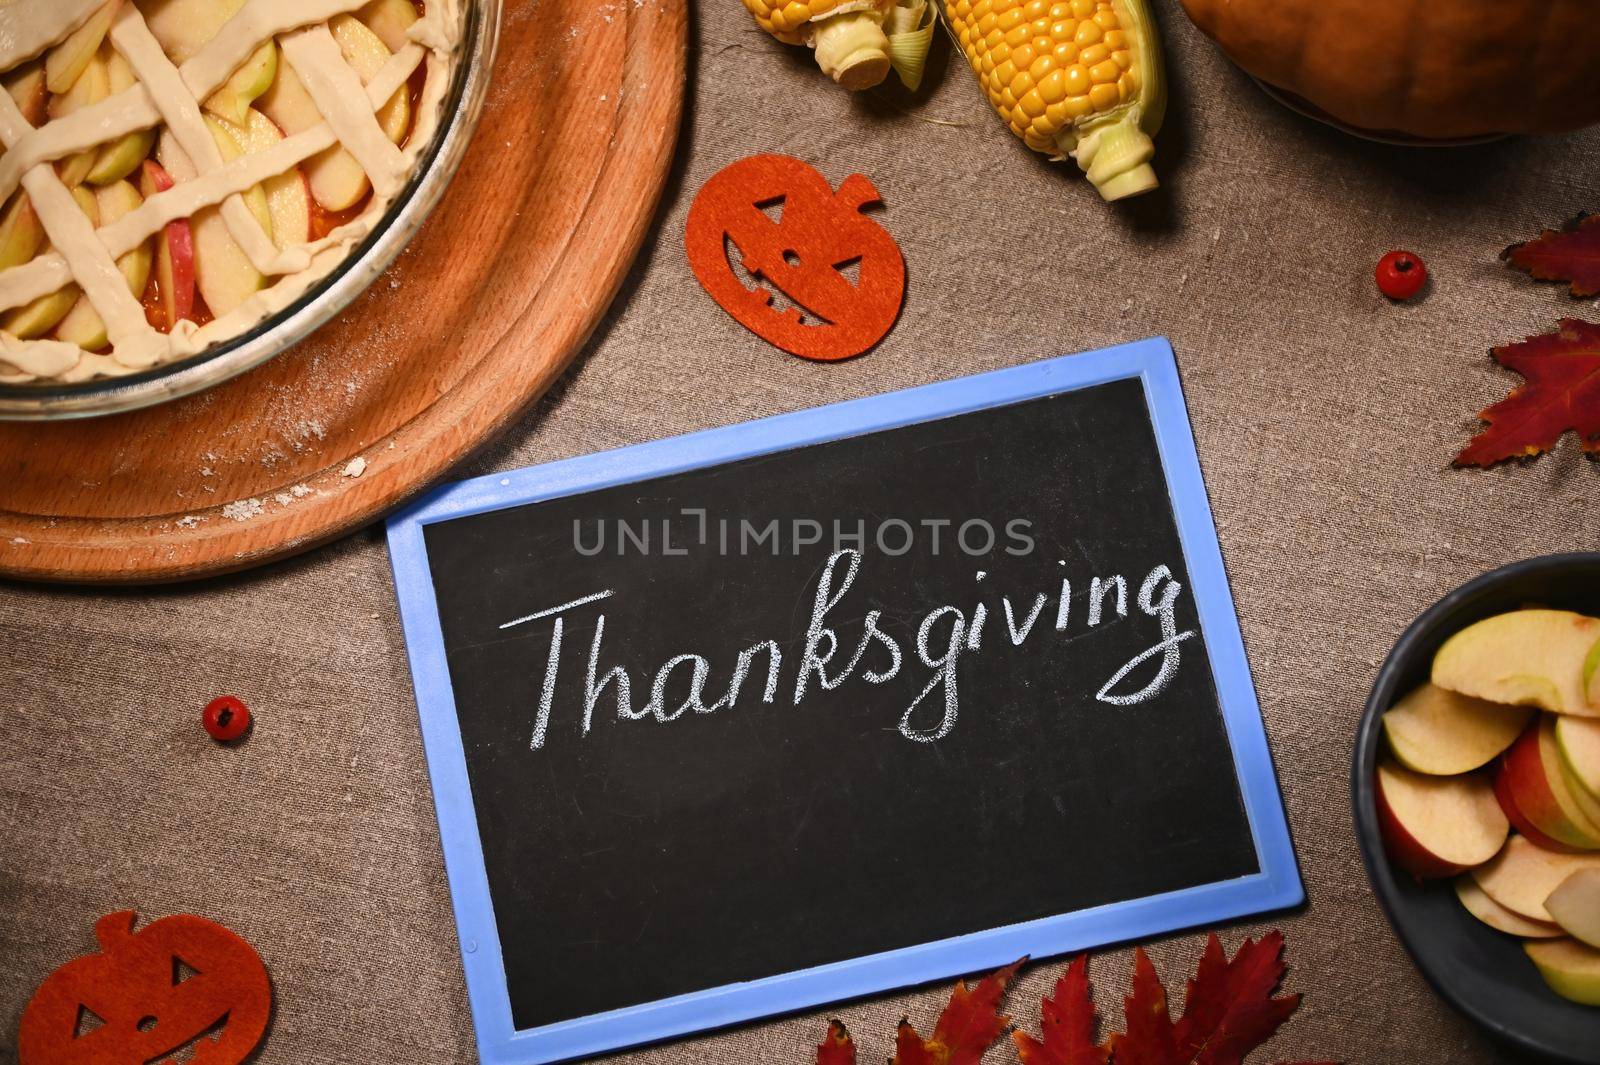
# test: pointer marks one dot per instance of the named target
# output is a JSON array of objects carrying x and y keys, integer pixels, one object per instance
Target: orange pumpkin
[{"x": 1436, "y": 69}]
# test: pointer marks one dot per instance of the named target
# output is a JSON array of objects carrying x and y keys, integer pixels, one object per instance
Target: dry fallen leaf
[
  {"x": 1230, "y": 1009},
  {"x": 1067, "y": 1019},
  {"x": 1562, "y": 392},
  {"x": 969, "y": 1024},
  {"x": 836, "y": 1048},
  {"x": 1571, "y": 254}
]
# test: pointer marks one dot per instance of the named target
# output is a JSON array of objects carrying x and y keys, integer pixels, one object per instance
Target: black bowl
[{"x": 1481, "y": 972}]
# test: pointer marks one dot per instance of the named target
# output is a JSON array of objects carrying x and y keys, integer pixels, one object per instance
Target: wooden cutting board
[{"x": 471, "y": 324}]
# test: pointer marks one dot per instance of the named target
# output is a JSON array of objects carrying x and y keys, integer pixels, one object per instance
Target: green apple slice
[
  {"x": 390, "y": 19},
  {"x": 1533, "y": 776},
  {"x": 366, "y": 53},
  {"x": 82, "y": 325},
  {"x": 183, "y": 27},
  {"x": 223, "y": 273},
  {"x": 1579, "y": 742},
  {"x": 68, "y": 60},
  {"x": 21, "y": 232},
  {"x": 39, "y": 317},
  {"x": 1435, "y": 730},
  {"x": 27, "y": 89},
  {"x": 337, "y": 180},
  {"x": 1572, "y": 969},
  {"x": 1576, "y": 906},
  {"x": 245, "y": 84},
  {"x": 288, "y": 197},
  {"x": 1525, "y": 657},
  {"x": 92, "y": 86},
  {"x": 1498, "y": 917},
  {"x": 117, "y": 160}
]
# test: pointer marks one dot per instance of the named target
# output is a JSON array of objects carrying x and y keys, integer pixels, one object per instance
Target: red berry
[
  {"x": 226, "y": 718},
  {"x": 1401, "y": 275}
]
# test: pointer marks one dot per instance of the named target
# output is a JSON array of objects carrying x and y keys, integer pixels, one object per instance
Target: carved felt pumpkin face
[
  {"x": 816, "y": 236},
  {"x": 181, "y": 980}
]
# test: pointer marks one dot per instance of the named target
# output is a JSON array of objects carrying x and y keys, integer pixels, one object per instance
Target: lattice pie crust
[{"x": 354, "y": 91}]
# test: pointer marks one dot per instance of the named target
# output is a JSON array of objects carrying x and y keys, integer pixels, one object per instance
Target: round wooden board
[{"x": 469, "y": 326}]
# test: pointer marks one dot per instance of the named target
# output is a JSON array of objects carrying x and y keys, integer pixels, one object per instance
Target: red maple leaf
[
  {"x": 1151, "y": 1038},
  {"x": 1228, "y": 1009},
  {"x": 1570, "y": 254},
  {"x": 1067, "y": 1019},
  {"x": 837, "y": 1048},
  {"x": 969, "y": 1024},
  {"x": 1562, "y": 392}
]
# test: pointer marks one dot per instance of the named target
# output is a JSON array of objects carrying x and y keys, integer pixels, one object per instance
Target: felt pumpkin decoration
[
  {"x": 147, "y": 995},
  {"x": 818, "y": 233},
  {"x": 1424, "y": 68}
]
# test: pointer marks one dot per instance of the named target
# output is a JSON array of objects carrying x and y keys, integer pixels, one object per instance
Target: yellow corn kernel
[{"x": 1065, "y": 76}]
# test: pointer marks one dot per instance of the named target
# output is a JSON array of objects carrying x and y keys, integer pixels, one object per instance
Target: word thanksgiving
[{"x": 945, "y": 635}]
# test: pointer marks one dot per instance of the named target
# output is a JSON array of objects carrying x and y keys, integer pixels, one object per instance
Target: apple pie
[{"x": 176, "y": 171}]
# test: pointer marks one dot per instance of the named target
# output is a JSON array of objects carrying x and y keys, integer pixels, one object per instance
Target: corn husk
[{"x": 909, "y": 27}]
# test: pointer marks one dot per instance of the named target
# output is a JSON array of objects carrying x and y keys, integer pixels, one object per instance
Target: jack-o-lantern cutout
[
  {"x": 805, "y": 251},
  {"x": 177, "y": 983}
]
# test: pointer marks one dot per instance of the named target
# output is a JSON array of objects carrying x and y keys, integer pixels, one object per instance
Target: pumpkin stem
[{"x": 113, "y": 928}]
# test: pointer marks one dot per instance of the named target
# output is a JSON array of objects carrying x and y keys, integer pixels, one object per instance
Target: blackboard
[{"x": 770, "y": 711}]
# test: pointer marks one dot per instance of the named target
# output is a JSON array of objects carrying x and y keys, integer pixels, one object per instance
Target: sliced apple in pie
[{"x": 180, "y": 157}]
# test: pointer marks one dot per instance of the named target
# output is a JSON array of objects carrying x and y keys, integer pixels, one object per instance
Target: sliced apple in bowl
[
  {"x": 1523, "y": 875},
  {"x": 1533, "y": 775},
  {"x": 1438, "y": 731},
  {"x": 1519, "y": 823},
  {"x": 1579, "y": 741},
  {"x": 1438, "y": 826},
  {"x": 1572, "y": 969},
  {"x": 1524, "y": 657},
  {"x": 1575, "y": 905},
  {"x": 1498, "y": 917}
]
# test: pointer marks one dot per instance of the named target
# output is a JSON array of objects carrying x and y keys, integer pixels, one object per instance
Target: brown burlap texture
[{"x": 1325, "y": 419}]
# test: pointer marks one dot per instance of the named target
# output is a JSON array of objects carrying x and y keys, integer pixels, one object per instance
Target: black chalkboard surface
[
  {"x": 771, "y": 715},
  {"x": 974, "y": 749}
]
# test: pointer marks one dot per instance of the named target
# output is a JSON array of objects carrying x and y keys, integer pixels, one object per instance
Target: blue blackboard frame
[{"x": 1276, "y": 886}]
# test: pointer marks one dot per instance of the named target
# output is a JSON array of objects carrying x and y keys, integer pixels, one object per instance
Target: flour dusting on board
[{"x": 242, "y": 509}]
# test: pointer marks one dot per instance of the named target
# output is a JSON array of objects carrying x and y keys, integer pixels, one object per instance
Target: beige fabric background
[{"x": 1325, "y": 421}]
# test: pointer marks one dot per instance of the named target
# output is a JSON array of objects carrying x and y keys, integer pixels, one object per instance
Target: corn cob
[
  {"x": 856, "y": 42},
  {"x": 1079, "y": 78}
]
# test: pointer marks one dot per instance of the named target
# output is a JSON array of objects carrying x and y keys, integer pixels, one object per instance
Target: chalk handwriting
[{"x": 946, "y": 634}]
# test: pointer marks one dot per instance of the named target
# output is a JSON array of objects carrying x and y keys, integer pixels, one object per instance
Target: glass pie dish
[{"x": 336, "y": 178}]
